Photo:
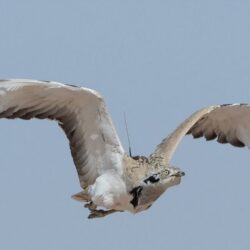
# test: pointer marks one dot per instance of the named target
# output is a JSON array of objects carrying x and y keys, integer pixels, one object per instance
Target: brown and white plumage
[{"x": 108, "y": 176}]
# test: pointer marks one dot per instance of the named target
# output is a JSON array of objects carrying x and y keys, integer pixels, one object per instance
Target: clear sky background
[{"x": 157, "y": 60}]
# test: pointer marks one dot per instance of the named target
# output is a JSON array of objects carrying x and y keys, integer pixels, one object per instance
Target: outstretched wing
[
  {"x": 228, "y": 123},
  {"x": 82, "y": 114}
]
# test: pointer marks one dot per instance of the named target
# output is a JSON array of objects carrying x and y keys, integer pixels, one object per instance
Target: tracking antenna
[{"x": 129, "y": 144}]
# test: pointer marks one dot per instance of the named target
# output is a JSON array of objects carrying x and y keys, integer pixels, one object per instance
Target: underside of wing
[
  {"x": 227, "y": 123},
  {"x": 82, "y": 114}
]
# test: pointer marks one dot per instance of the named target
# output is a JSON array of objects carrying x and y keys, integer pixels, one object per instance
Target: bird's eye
[{"x": 166, "y": 172}]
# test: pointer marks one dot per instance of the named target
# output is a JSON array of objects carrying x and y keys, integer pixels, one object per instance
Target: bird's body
[{"x": 108, "y": 176}]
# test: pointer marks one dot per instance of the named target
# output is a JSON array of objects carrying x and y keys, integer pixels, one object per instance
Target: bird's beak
[{"x": 179, "y": 174}]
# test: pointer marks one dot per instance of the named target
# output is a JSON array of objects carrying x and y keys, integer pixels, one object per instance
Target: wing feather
[
  {"x": 228, "y": 123},
  {"x": 80, "y": 112}
]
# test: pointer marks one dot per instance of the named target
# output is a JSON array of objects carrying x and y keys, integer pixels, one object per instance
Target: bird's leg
[
  {"x": 95, "y": 213},
  {"x": 101, "y": 213}
]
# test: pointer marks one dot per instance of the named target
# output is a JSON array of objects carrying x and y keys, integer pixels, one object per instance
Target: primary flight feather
[{"x": 109, "y": 178}]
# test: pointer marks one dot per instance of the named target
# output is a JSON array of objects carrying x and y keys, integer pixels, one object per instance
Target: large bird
[{"x": 110, "y": 179}]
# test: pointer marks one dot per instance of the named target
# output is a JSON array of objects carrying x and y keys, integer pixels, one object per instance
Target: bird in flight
[{"x": 111, "y": 180}]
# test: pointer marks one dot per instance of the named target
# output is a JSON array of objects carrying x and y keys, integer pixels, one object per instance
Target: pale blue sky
[{"x": 157, "y": 60}]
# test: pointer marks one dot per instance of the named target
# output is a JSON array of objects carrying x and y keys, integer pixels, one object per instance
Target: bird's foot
[
  {"x": 91, "y": 206},
  {"x": 101, "y": 213},
  {"x": 94, "y": 213}
]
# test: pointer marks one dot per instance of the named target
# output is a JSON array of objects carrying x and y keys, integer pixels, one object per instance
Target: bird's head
[{"x": 153, "y": 186}]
